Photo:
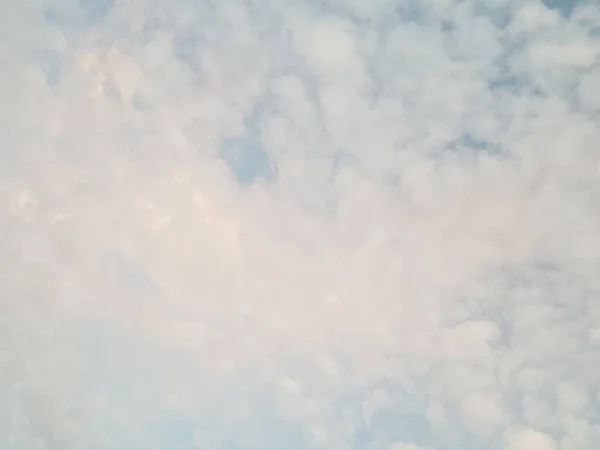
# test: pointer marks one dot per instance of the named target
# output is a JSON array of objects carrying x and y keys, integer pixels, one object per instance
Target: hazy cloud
[{"x": 267, "y": 224}]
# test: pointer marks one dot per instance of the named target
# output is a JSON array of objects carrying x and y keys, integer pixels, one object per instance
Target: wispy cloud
[{"x": 260, "y": 224}]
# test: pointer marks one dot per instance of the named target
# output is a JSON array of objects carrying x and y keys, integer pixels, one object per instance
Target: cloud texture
[{"x": 267, "y": 224}]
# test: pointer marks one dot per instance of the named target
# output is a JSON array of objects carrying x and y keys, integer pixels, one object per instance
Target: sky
[{"x": 275, "y": 224}]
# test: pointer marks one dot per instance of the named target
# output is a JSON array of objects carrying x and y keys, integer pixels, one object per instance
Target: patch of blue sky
[
  {"x": 245, "y": 155},
  {"x": 391, "y": 426},
  {"x": 130, "y": 277},
  {"x": 565, "y": 7},
  {"x": 95, "y": 11},
  {"x": 50, "y": 62},
  {"x": 82, "y": 16},
  {"x": 186, "y": 47},
  {"x": 170, "y": 431},
  {"x": 468, "y": 145}
]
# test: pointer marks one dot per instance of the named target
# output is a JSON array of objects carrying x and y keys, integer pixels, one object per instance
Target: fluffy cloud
[
  {"x": 332, "y": 225},
  {"x": 525, "y": 439}
]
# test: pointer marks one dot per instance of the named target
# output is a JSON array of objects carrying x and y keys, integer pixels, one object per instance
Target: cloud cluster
[{"x": 262, "y": 224}]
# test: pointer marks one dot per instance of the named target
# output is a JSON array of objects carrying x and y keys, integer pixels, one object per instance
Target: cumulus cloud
[
  {"x": 261, "y": 224},
  {"x": 527, "y": 438}
]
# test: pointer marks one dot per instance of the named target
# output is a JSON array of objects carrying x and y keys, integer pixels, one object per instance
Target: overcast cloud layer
[{"x": 271, "y": 224}]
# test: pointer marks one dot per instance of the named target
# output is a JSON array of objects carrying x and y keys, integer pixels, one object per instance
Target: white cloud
[
  {"x": 411, "y": 265},
  {"x": 404, "y": 446},
  {"x": 470, "y": 339},
  {"x": 588, "y": 90},
  {"x": 528, "y": 439},
  {"x": 571, "y": 397},
  {"x": 330, "y": 48},
  {"x": 533, "y": 15},
  {"x": 481, "y": 413}
]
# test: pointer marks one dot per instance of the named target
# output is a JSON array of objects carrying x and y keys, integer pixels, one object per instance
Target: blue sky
[{"x": 268, "y": 224}]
